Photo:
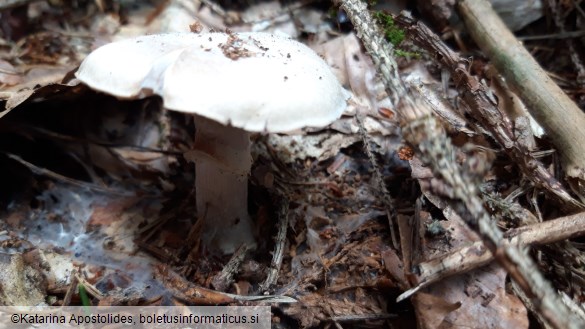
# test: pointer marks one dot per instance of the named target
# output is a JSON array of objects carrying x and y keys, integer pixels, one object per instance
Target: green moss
[
  {"x": 332, "y": 13},
  {"x": 393, "y": 34},
  {"x": 407, "y": 54}
]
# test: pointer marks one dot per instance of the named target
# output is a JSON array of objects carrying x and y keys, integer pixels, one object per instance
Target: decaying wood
[
  {"x": 434, "y": 148},
  {"x": 189, "y": 292},
  {"x": 476, "y": 255},
  {"x": 560, "y": 117},
  {"x": 484, "y": 109},
  {"x": 72, "y": 289},
  {"x": 278, "y": 254},
  {"x": 225, "y": 278}
]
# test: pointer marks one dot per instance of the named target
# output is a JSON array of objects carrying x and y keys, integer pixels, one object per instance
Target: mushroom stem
[{"x": 222, "y": 165}]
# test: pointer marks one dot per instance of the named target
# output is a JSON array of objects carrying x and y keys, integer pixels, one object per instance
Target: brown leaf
[
  {"x": 8, "y": 74},
  {"x": 481, "y": 300}
]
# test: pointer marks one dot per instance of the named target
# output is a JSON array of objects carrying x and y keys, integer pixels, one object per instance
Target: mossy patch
[{"x": 393, "y": 34}]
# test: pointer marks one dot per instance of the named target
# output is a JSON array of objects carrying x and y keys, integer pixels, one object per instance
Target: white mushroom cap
[{"x": 253, "y": 81}]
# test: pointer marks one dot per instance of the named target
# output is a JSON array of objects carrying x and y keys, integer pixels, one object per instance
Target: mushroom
[{"x": 234, "y": 84}]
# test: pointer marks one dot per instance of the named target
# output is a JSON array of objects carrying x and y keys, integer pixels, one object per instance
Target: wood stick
[
  {"x": 485, "y": 111},
  {"x": 551, "y": 107},
  {"x": 278, "y": 254},
  {"x": 434, "y": 148},
  {"x": 476, "y": 255}
]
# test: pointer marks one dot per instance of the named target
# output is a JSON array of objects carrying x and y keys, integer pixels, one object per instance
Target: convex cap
[{"x": 254, "y": 81}]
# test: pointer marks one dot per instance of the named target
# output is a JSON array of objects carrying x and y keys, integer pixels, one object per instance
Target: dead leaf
[
  {"x": 9, "y": 76},
  {"x": 477, "y": 298}
]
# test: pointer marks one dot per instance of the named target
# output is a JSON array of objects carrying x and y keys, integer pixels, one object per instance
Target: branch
[
  {"x": 551, "y": 107},
  {"x": 485, "y": 111},
  {"x": 428, "y": 137},
  {"x": 476, "y": 255}
]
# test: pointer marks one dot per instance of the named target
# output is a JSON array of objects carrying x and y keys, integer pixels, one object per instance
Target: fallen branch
[
  {"x": 191, "y": 293},
  {"x": 551, "y": 107},
  {"x": 485, "y": 111},
  {"x": 476, "y": 255},
  {"x": 427, "y": 136},
  {"x": 222, "y": 280}
]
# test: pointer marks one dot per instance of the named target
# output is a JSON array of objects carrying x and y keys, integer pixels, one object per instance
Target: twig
[
  {"x": 72, "y": 289},
  {"x": 278, "y": 254},
  {"x": 46, "y": 172},
  {"x": 554, "y": 7},
  {"x": 551, "y": 107},
  {"x": 192, "y": 293},
  {"x": 409, "y": 237},
  {"x": 423, "y": 132},
  {"x": 474, "y": 256},
  {"x": 529, "y": 305},
  {"x": 386, "y": 197},
  {"x": 380, "y": 51},
  {"x": 436, "y": 149},
  {"x": 223, "y": 279},
  {"x": 440, "y": 105},
  {"x": 562, "y": 35},
  {"x": 362, "y": 317},
  {"x": 485, "y": 111},
  {"x": 90, "y": 288}
]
